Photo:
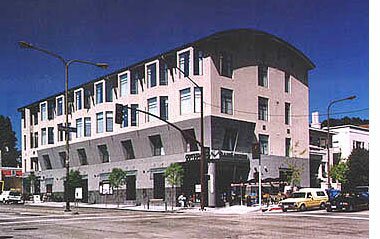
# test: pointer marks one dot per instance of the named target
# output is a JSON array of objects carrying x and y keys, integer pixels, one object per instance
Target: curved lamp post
[
  {"x": 328, "y": 135},
  {"x": 66, "y": 63}
]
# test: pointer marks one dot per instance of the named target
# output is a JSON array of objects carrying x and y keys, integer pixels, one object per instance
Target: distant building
[{"x": 253, "y": 84}]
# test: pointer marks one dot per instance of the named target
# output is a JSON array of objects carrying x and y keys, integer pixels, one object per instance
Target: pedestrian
[{"x": 182, "y": 200}]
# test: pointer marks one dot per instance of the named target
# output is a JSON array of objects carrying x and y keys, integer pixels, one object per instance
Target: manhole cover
[{"x": 25, "y": 228}]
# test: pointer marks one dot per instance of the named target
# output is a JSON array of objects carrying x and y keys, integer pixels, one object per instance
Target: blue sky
[{"x": 333, "y": 34}]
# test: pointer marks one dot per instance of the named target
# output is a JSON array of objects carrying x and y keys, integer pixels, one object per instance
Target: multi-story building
[{"x": 255, "y": 88}]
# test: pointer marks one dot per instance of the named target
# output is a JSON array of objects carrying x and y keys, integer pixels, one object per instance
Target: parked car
[
  {"x": 305, "y": 198},
  {"x": 348, "y": 201},
  {"x": 10, "y": 197}
]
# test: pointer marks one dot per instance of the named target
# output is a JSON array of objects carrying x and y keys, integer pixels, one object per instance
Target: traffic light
[
  {"x": 256, "y": 150},
  {"x": 119, "y": 114}
]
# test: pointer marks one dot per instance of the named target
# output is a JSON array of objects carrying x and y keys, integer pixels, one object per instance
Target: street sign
[{"x": 64, "y": 128}]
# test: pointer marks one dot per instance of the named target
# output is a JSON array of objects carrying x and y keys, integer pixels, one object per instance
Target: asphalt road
[{"x": 31, "y": 222}]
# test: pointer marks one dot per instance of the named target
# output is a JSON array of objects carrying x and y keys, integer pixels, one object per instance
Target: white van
[{"x": 304, "y": 199}]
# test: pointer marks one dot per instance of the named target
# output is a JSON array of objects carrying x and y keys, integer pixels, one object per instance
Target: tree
[
  {"x": 339, "y": 172},
  {"x": 117, "y": 179},
  {"x": 345, "y": 121},
  {"x": 8, "y": 140},
  {"x": 75, "y": 181},
  {"x": 174, "y": 176},
  {"x": 358, "y": 168},
  {"x": 296, "y": 170}
]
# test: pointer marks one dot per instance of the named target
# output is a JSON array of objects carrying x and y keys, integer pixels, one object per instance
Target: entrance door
[
  {"x": 130, "y": 182},
  {"x": 85, "y": 190},
  {"x": 159, "y": 186}
]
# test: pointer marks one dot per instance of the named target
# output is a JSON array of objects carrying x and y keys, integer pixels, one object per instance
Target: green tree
[
  {"x": 117, "y": 179},
  {"x": 8, "y": 140},
  {"x": 345, "y": 121},
  {"x": 294, "y": 176},
  {"x": 358, "y": 168},
  {"x": 174, "y": 176},
  {"x": 339, "y": 172},
  {"x": 75, "y": 181}
]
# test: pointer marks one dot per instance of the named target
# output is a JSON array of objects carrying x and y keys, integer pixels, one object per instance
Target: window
[
  {"x": 164, "y": 107},
  {"x": 263, "y": 76},
  {"x": 87, "y": 127},
  {"x": 164, "y": 75},
  {"x": 123, "y": 85},
  {"x": 226, "y": 101},
  {"x": 288, "y": 142},
  {"x": 87, "y": 98},
  {"x": 287, "y": 82},
  {"x": 35, "y": 118},
  {"x": 78, "y": 100},
  {"x": 134, "y": 115},
  {"x": 263, "y": 109},
  {"x": 264, "y": 144},
  {"x": 51, "y": 109},
  {"x": 128, "y": 149},
  {"x": 43, "y": 136},
  {"x": 191, "y": 144},
  {"x": 99, "y": 93},
  {"x": 198, "y": 63},
  {"x": 225, "y": 64},
  {"x": 79, "y": 125},
  {"x": 51, "y": 135},
  {"x": 185, "y": 101},
  {"x": 152, "y": 75},
  {"x": 125, "y": 117},
  {"x": 152, "y": 107},
  {"x": 34, "y": 163},
  {"x": 197, "y": 99},
  {"x": 287, "y": 113},
  {"x": 60, "y": 106},
  {"x": 109, "y": 121},
  {"x": 184, "y": 63},
  {"x": 43, "y": 112},
  {"x": 31, "y": 142},
  {"x": 134, "y": 83},
  {"x": 82, "y": 156},
  {"x": 156, "y": 143},
  {"x": 62, "y": 157},
  {"x": 47, "y": 161},
  {"x": 60, "y": 132},
  {"x": 103, "y": 152},
  {"x": 36, "y": 139},
  {"x": 109, "y": 91},
  {"x": 229, "y": 141},
  {"x": 99, "y": 123}
]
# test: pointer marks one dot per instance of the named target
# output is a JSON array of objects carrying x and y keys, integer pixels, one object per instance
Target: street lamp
[
  {"x": 328, "y": 135},
  {"x": 66, "y": 63}
]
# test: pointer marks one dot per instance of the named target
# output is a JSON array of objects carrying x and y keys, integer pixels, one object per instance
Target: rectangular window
[
  {"x": 184, "y": 63},
  {"x": 109, "y": 91},
  {"x": 229, "y": 140},
  {"x": 226, "y": 101},
  {"x": 197, "y": 99},
  {"x": 287, "y": 82},
  {"x": 87, "y": 98},
  {"x": 287, "y": 147},
  {"x": 134, "y": 115},
  {"x": 31, "y": 141},
  {"x": 263, "y": 108},
  {"x": 124, "y": 123},
  {"x": 135, "y": 83},
  {"x": 99, "y": 123},
  {"x": 109, "y": 121},
  {"x": 60, "y": 106},
  {"x": 47, "y": 161},
  {"x": 35, "y": 118},
  {"x": 60, "y": 133},
  {"x": 123, "y": 85},
  {"x": 51, "y": 109},
  {"x": 43, "y": 112},
  {"x": 198, "y": 63},
  {"x": 152, "y": 107},
  {"x": 156, "y": 144},
  {"x": 287, "y": 113},
  {"x": 43, "y": 136},
  {"x": 164, "y": 73},
  {"x": 264, "y": 144},
  {"x": 79, "y": 125},
  {"x": 190, "y": 138},
  {"x": 103, "y": 152},
  {"x": 225, "y": 64},
  {"x": 62, "y": 158},
  {"x": 164, "y": 107},
  {"x": 87, "y": 126},
  {"x": 185, "y": 101},
  {"x": 99, "y": 93},
  {"x": 36, "y": 139},
  {"x": 82, "y": 156},
  {"x": 128, "y": 149},
  {"x": 152, "y": 75},
  {"x": 263, "y": 76},
  {"x": 78, "y": 100},
  {"x": 51, "y": 135}
]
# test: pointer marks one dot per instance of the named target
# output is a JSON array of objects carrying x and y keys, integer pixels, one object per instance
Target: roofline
[
  {"x": 349, "y": 126},
  {"x": 200, "y": 40}
]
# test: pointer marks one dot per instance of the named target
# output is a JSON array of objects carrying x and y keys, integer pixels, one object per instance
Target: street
[{"x": 20, "y": 221}]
